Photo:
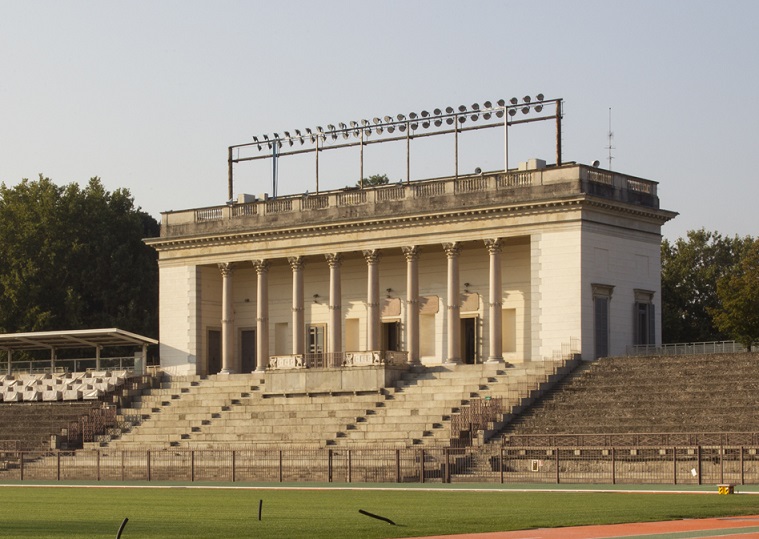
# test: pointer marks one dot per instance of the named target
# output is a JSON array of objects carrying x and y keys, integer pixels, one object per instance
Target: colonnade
[{"x": 372, "y": 257}]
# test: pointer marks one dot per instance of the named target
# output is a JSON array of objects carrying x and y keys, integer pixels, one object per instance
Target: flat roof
[{"x": 75, "y": 338}]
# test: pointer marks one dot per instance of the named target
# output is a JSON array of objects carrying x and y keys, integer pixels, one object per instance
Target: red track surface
[{"x": 733, "y": 527}]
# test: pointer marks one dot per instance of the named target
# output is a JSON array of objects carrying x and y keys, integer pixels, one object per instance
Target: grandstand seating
[
  {"x": 708, "y": 393},
  {"x": 29, "y": 387},
  {"x": 235, "y": 411}
]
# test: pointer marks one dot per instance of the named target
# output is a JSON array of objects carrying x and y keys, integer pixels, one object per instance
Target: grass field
[{"x": 211, "y": 513}]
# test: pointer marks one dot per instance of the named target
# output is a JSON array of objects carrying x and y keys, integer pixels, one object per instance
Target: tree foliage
[
  {"x": 74, "y": 258},
  {"x": 374, "y": 180},
  {"x": 691, "y": 268},
  {"x": 738, "y": 292}
]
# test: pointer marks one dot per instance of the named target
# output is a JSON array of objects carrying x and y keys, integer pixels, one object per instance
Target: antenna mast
[{"x": 610, "y": 147}]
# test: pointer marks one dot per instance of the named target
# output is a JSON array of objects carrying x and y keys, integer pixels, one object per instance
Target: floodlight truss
[{"x": 410, "y": 126}]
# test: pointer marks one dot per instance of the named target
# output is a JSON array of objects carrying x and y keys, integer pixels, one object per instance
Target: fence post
[
  {"x": 350, "y": 464},
  {"x": 234, "y": 465},
  {"x": 500, "y": 462},
  {"x": 447, "y": 454},
  {"x": 192, "y": 466},
  {"x": 58, "y": 465},
  {"x": 613, "y": 465},
  {"x": 698, "y": 455},
  {"x": 558, "y": 478},
  {"x": 21, "y": 465},
  {"x": 421, "y": 465},
  {"x": 329, "y": 465},
  {"x": 280, "y": 465},
  {"x": 741, "y": 461},
  {"x": 98, "y": 460},
  {"x": 148, "y": 463},
  {"x": 397, "y": 465},
  {"x": 674, "y": 465}
]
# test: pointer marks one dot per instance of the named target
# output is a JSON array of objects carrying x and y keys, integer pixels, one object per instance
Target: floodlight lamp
[
  {"x": 426, "y": 124},
  {"x": 475, "y": 106},
  {"x": 342, "y": 126},
  {"x": 499, "y": 113},
  {"x": 376, "y": 120},
  {"x": 346, "y": 134},
  {"x": 364, "y": 122},
  {"x": 501, "y": 103},
  {"x": 527, "y": 99},
  {"x": 287, "y": 134},
  {"x": 487, "y": 105},
  {"x": 448, "y": 110},
  {"x": 474, "y": 117},
  {"x": 388, "y": 119},
  {"x": 330, "y": 127},
  {"x": 276, "y": 136},
  {"x": 512, "y": 112},
  {"x": 538, "y": 108},
  {"x": 354, "y": 124},
  {"x": 402, "y": 128},
  {"x": 438, "y": 122},
  {"x": 390, "y": 128},
  {"x": 319, "y": 130},
  {"x": 462, "y": 119},
  {"x": 378, "y": 130},
  {"x": 462, "y": 108},
  {"x": 513, "y": 100},
  {"x": 425, "y": 114},
  {"x": 540, "y": 97},
  {"x": 486, "y": 116},
  {"x": 401, "y": 117},
  {"x": 266, "y": 138},
  {"x": 412, "y": 115},
  {"x": 449, "y": 121},
  {"x": 414, "y": 126},
  {"x": 437, "y": 112},
  {"x": 525, "y": 110}
]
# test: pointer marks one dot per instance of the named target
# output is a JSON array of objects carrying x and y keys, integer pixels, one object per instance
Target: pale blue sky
[{"x": 149, "y": 94}]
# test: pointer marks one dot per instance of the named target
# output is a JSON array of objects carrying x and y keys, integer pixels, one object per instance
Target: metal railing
[
  {"x": 693, "y": 348},
  {"x": 682, "y": 465},
  {"x": 44, "y": 366}
]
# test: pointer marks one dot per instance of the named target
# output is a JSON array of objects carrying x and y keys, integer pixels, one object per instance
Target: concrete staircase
[{"x": 234, "y": 411}]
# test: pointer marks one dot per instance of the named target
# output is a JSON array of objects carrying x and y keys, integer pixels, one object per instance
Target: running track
[{"x": 732, "y": 527}]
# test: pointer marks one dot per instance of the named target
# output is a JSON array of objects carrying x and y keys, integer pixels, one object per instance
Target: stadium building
[{"x": 512, "y": 265}]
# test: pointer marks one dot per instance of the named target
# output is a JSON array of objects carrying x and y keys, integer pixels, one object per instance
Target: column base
[
  {"x": 226, "y": 371},
  {"x": 452, "y": 361},
  {"x": 494, "y": 360}
]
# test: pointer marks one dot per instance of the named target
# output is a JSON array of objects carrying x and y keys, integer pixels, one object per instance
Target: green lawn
[{"x": 208, "y": 513}]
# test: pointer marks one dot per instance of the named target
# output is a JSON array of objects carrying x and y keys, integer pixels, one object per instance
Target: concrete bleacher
[
  {"x": 677, "y": 394},
  {"x": 225, "y": 411},
  {"x": 51, "y": 411}
]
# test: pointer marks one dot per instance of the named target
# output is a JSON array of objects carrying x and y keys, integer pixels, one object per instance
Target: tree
[
  {"x": 374, "y": 180},
  {"x": 738, "y": 292},
  {"x": 74, "y": 258},
  {"x": 691, "y": 268}
]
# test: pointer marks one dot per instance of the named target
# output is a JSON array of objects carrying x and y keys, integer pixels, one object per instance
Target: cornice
[{"x": 468, "y": 214}]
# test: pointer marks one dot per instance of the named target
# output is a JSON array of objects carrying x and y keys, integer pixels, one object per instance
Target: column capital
[
  {"x": 296, "y": 262},
  {"x": 225, "y": 268},
  {"x": 334, "y": 259},
  {"x": 493, "y": 245},
  {"x": 452, "y": 250},
  {"x": 372, "y": 256},
  {"x": 411, "y": 252},
  {"x": 261, "y": 266}
]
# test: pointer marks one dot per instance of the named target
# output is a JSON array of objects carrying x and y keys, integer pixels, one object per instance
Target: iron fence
[
  {"x": 693, "y": 348},
  {"x": 682, "y": 465}
]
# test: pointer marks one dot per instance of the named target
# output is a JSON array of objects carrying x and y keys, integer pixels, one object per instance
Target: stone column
[
  {"x": 262, "y": 314},
  {"x": 495, "y": 288},
  {"x": 335, "y": 334},
  {"x": 412, "y": 302},
  {"x": 227, "y": 320},
  {"x": 452, "y": 251},
  {"x": 299, "y": 329},
  {"x": 374, "y": 329}
]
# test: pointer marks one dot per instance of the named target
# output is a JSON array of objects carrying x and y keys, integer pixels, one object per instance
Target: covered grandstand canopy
[
  {"x": 75, "y": 338},
  {"x": 72, "y": 339}
]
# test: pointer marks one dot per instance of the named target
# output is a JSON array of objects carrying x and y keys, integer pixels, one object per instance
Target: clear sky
[{"x": 148, "y": 95}]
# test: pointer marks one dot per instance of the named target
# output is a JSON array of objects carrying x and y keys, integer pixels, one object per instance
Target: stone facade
[{"x": 492, "y": 267}]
